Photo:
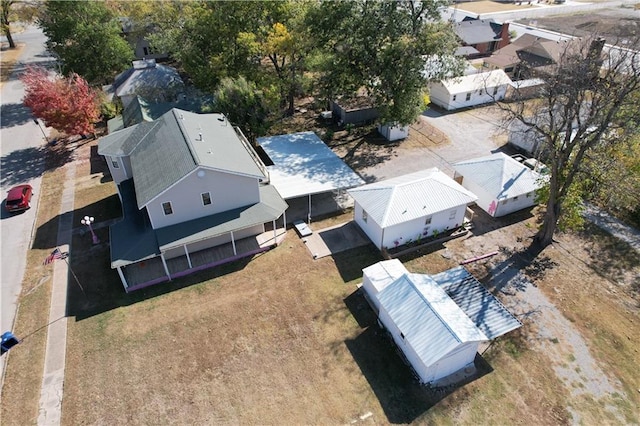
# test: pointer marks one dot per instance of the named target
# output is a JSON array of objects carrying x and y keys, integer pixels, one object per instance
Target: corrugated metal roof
[
  {"x": 487, "y": 312},
  {"x": 427, "y": 317},
  {"x": 411, "y": 196},
  {"x": 478, "y": 81},
  {"x": 383, "y": 273},
  {"x": 500, "y": 175},
  {"x": 304, "y": 164}
]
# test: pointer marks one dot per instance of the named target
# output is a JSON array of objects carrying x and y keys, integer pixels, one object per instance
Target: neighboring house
[
  {"x": 535, "y": 52},
  {"x": 437, "y": 321},
  {"x": 483, "y": 35},
  {"x": 502, "y": 184},
  {"x": 187, "y": 182},
  {"x": 142, "y": 49},
  {"x": 469, "y": 90},
  {"x": 397, "y": 211},
  {"x": 146, "y": 78}
]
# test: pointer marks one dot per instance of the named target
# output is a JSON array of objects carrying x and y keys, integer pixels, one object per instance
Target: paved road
[{"x": 21, "y": 143}]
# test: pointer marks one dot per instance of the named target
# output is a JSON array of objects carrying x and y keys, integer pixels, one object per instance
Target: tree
[
  {"x": 581, "y": 107},
  {"x": 11, "y": 10},
  {"x": 381, "y": 47},
  {"x": 244, "y": 105},
  {"x": 87, "y": 38},
  {"x": 68, "y": 105}
]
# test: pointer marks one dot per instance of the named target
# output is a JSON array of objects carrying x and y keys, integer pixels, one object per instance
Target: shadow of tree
[
  {"x": 15, "y": 115},
  {"x": 400, "y": 394},
  {"x": 22, "y": 165}
]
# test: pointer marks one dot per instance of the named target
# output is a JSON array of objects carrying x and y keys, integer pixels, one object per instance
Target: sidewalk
[
  {"x": 50, "y": 406},
  {"x": 613, "y": 226}
]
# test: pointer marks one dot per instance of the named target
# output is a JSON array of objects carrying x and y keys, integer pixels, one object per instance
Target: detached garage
[
  {"x": 438, "y": 322},
  {"x": 470, "y": 90},
  {"x": 502, "y": 184}
]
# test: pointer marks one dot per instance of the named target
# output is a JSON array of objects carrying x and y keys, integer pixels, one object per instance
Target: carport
[{"x": 303, "y": 166}]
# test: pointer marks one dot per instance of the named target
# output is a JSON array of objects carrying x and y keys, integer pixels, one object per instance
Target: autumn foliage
[{"x": 68, "y": 105}]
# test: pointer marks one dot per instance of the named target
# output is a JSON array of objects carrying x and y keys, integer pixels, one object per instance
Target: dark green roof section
[
  {"x": 271, "y": 207},
  {"x": 123, "y": 142},
  {"x": 132, "y": 239}
]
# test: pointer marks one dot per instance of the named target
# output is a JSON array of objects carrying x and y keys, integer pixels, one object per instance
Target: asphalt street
[{"x": 21, "y": 144}]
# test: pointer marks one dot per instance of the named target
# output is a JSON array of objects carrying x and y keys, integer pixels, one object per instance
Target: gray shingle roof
[
  {"x": 474, "y": 31},
  {"x": 122, "y": 142}
]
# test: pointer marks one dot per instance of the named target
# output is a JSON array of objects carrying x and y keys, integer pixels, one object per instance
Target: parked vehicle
[{"x": 19, "y": 198}]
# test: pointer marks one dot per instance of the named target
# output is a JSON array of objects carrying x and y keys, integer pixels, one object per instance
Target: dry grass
[
  {"x": 486, "y": 6},
  {"x": 8, "y": 59}
]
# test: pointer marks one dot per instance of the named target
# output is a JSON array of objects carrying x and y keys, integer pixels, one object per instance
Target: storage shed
[
  {"x": 357, "y": 110},
  {"x": 469, "y": 90},
  {"x": 396, "y": 211},
  {"x": 502, "y": 184},
  {"x": 438, "y": 322}
]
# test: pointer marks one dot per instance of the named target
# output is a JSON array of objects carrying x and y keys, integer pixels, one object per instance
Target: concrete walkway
[
  {"x": 613, "y": 226},
  {"x": 50, "y": 406}
]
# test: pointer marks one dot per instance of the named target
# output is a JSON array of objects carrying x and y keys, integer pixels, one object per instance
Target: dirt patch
[{"x": 619, "y": 26}]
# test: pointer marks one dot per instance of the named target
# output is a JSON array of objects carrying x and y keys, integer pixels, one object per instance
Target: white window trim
[{"x": 165, "y": 210}]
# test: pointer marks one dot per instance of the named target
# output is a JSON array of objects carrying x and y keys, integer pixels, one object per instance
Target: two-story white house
[{"x": 187, "y": 182}]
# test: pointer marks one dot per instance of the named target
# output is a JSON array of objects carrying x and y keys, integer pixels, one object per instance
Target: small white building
[
  {"x": 393, "y": 132},
  {"x": 407, "y": 208},
  {"x": 502, "y": 184},
  {"x": 469, "y": 90},
  {"x": 438, "y": 322}
]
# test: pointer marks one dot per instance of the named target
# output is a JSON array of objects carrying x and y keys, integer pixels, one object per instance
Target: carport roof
[
  {"x": 486, "y": 312},
  {"x": 304, "y": 165}
]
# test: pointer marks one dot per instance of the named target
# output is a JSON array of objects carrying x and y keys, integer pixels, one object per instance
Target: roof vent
[
  {"x": 221, "y": 118},
  {"x": 199, "y": 136}
]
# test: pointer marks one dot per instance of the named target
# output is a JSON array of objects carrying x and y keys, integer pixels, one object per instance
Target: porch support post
[
  {"x": 166, "y": 268},
  {"x": 186, "y": 252},
  {"x": 122, "y": 278},
  {"x": 275, "y": 232},
  {"x": 309, "y": 215},
  {"x": 233, "y": 244}
]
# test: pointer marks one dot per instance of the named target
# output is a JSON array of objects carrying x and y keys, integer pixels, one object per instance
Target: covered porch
[{"x": 156, "y": 270}]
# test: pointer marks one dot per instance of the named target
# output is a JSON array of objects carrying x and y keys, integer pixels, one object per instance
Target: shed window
[
  {"x": 452, "y": 214},
  {"x": 115, "y": 164},
  {"x": 468, "y": 97},
  {"x": 206, "y": 198},
  {"x": 495, "y": 91},
  {"x": 167, "y": 208},
  {"x": 427, "y": 221},
  {"x": 364, "y": 216},
  {"x": 454, "y": 97}
]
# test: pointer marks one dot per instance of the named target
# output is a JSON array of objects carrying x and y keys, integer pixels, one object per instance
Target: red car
[{"x": 18, "y": 198}]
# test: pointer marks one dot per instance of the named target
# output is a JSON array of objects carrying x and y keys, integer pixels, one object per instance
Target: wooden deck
[{"x": 150, "y": 272}]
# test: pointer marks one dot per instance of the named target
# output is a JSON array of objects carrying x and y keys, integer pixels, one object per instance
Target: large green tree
[
  {"x": 382, "y": 47},
  {"x": 587, "y": 103},
  {"x": 87, "y": 38}
]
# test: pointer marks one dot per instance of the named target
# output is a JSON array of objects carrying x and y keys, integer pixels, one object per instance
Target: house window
[
  {"x": 145, "y": 50},
  {"x": 452, "y": 214},
  {"x": 495, "y": 91},
  {"x": 167, "y": 208},
  {"x": 481, "y": 92},
  {"x": 402, "y": 335},
  {"x": 115, "y": 164},
  {"x": 364, "y": 216},
  {"x": 427, "y": 221},
  {"x": 515, "y": 198},
  {"x": 454, "y": 97},
  {"x": 468, "y": 96},
  {"x": 206, "y": 198}
]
